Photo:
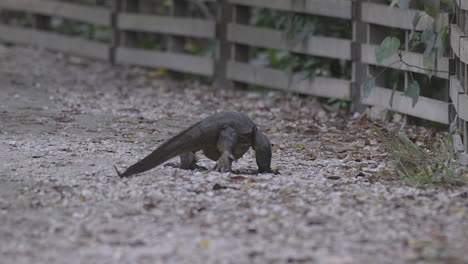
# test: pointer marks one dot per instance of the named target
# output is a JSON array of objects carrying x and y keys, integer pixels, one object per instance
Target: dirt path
[{"x": 65, "y": 121}]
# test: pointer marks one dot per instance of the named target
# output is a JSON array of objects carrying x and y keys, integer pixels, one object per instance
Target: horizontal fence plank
[
  {"x": 89, "y": 14},
  {"x": 463, "y": 107},
  {"x": 318, "y": 86},
  {"x": 331, "y": 8},
  {"x": 384, "y": 15},
  {"x": 458, "y": 144},
  {"x": 426, "y": 108},
  {"x": 411, "y": 58},
  {"x": 463, "y": 4},
  {"x": 269, "y": 38},
  {"x": 168, "y": 25},
  {"x": 464, "y": 158},
  {"x": 459, "y": 43},
  {"x": 455, "y": 90},
  {"x": 76, "y": 45},
  {"x": 173, "y": 61}
]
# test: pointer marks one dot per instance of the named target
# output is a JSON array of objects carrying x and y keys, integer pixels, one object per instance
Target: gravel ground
[{"x": 65, "y": 121}]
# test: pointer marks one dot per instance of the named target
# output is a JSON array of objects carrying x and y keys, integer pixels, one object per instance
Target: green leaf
[
  {"x": 302, "y": 34},
  {"x": 412, "y": 91},
  {"x": 387, "y": 48},
  {"x": 367, "y": 86},
  {"x": 441, "y": 42},
  {"x": 432, "y": 7},
  {"x": 401, "y": 3},
  {"x": 415, "y": 39},
  {"x": 428, "y": 37},
  {"x": 448, "y": 5},
  {"x": 429, "y": 62},
  {"x": 416, "y": 19}
]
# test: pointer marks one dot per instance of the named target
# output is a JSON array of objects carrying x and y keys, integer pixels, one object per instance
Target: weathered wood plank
[
  {"x": 385, "y": 15},
  {"x": 89, "y": 14},
  {"x": 173, "y": 61},
  {"x": 464, "y": 158},
  {"x": 361, "y": 31},
  {"x": 455, "y": 90},
  {"x": 463, "y": 4},
  {"x": 318, "y": 86},
  {"x": 463, "y": 107},
  {"x": 225, "y": 16},
  {"x": 168, "y": 25},
  {"x": 331, "y": 8},
  {"x": 54, "y": 41},
  {"x": 414, "y": 61},
  {"x": 457, "y": 145},
  {"x": 459, "y": 43},
  {"x": 270, "y": 38},
  {"x": 426, "y": 108},
  {"x": 455, "y": 34}
]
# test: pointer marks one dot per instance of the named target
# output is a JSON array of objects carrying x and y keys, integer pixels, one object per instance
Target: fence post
[
  {"x": 129, "y": 39},
  {"x": 115, "y": 41},
  {"x": 463, "y": 21},
  {"x": 359, "y": 68},
  {"x": 240, "y": 52},
  {"x": 176, "y": 43},
  {"x": 178, "y": 8},
  {"x": 223, "y": 55}
]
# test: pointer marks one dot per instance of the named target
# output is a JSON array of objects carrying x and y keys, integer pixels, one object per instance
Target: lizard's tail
[{"x": 168, "y": 150}]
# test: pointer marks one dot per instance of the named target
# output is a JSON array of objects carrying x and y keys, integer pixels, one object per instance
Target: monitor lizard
[{"x": 222, "y": 137}]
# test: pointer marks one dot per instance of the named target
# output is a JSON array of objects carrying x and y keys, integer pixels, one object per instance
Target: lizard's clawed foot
[
  {"x": 172, "y": 165},
  {"x": 224, "y": 163}
]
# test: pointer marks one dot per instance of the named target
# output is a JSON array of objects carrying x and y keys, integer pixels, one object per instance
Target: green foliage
[
  {"x": 368, "y": 85},
  {"x": 428, "y": 62},
  {"x": 296, "y": 28},
  {"x": 432, "y": 7},
  {"x": 149, "y": 44},
  {"x": 423, "y": 165},
  {"x": 442, "y": 41},
  {"x": 339, "y": 103},
  {"x": 306, "y": 67},
  {"x": 387, "y": 48},
  {"x": 85, "y": 30},
  {"x": 412, "y": 91},
  {"x": 400, "y": 3},
  {"x": 167, "y": 3},
  {"x": 434, "y": 40},
  {"x": 264, "y": 17},
  {"x": 292, "y": 23}
]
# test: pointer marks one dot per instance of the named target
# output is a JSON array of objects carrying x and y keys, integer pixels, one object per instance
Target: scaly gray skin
[{"x": 222, "y": 137}]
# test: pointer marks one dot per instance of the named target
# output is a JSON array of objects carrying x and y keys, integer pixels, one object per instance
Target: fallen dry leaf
[{"x": 237, "y": 178}]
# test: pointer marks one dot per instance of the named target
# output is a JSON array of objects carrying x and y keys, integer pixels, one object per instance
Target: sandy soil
[{"x": 65, "y": 121}]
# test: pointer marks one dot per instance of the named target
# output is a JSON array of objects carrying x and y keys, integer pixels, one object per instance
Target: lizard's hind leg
[{"x": 188, "y": 161}]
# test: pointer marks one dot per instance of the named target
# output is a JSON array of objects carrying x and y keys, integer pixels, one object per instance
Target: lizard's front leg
[
  {"x": 262, "y": 147},
  {"x": 227, "y": 139}
]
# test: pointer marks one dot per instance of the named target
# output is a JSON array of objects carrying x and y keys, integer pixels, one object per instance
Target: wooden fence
[
  {"x": 459, "y": 81},
  {"x": 235, "y": 36}
]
